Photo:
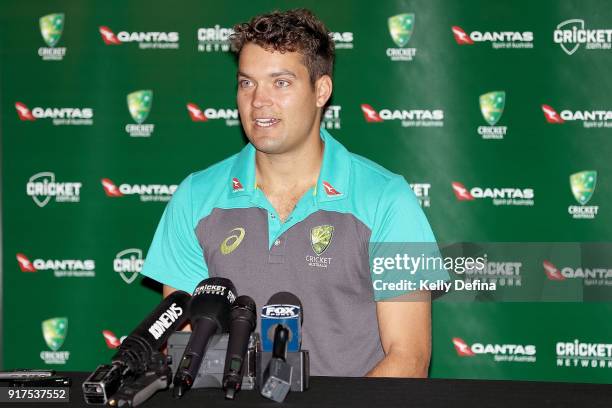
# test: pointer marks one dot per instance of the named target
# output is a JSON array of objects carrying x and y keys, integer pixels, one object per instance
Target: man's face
[{"x": 278, "y": 105}]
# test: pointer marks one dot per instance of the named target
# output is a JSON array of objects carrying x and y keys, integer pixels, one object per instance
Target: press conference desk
[{"x": 389, "y": 392}]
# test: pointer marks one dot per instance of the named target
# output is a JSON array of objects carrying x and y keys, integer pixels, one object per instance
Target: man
[{"x": 295, "y": 211}]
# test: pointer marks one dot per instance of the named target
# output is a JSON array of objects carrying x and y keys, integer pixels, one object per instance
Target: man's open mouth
[{"x": 266, "y": 122}]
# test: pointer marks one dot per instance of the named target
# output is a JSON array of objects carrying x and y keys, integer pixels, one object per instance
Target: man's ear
[{"x": 323, "y": 90}]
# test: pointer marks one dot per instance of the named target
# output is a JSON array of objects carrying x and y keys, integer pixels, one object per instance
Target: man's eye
[
  {"x": 244, "y": 83},
  {"x": 281, "y": 83}
]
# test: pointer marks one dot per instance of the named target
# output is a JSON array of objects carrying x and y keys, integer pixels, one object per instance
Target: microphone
[
  {"x": 283, "y": 308},
  {"x": 243, "y": 320},
  {"x": 277, "y": 376},
  {"x": 209, "y": 310},
  {"x": 136, "y": 351}
]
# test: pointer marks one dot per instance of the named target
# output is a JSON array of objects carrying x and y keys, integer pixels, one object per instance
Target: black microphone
[
  {"x": 243, "y": 320},
  {"x": 283, "y": 308},
  {"x": 209, "y": 311},
  {"x": 135, "y": 352}
]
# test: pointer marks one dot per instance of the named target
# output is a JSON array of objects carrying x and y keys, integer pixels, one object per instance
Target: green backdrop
[{"x": 72, "y": 248}]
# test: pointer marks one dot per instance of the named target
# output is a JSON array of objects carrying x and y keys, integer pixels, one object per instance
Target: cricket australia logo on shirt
[
  {"x": 139, "y": 105},
  {"x": 400, "y": 28},
  {"x": 51, "y": 27},
  {"x": 320, "y": 239},
  {"x": 492, "y": 107},
  {"x": 232, "y": 242}
]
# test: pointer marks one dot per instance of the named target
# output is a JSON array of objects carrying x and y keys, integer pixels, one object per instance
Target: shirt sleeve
[
  {"x": 401, "y": 243},
  {"x": 175, "y": 257}
]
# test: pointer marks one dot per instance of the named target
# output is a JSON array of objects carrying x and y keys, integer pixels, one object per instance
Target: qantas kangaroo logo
[
  {"x": 23, "y": 112},
  {"x": 108, "y": 36},
  {"x": 196, "y": 113},
  {"x": 370, "y": 114},
  {"x": 24, "y": 263},
  {"x": 237, "y": 185},
  {"x": 461, "y": 192},
  {"x": 461, "y": 36},
  {"x": 462, "y": 348},
  {"x": 110, "y": 188},
  {"x": 112, "y": 342},
  {"x": 552, "y": 272},
  {"x": 551, "y": 115},
  {"x": 330, "y": 190}
]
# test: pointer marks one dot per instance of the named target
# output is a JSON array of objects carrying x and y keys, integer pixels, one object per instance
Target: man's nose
[{"x": 261, "y": 97}]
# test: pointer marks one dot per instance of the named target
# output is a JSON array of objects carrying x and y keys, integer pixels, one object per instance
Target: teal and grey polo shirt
[{"x": 219, "y": 223}]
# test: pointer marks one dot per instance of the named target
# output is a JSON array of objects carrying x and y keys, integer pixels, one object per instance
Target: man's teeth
[{"x": 266, "y": 122}]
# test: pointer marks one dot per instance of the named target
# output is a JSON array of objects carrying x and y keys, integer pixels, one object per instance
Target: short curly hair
[{"x": 296, "y": 30}]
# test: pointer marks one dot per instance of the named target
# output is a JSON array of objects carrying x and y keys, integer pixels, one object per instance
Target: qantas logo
[
  {"x": 590, "y": 119},
  {"x": 108, "y": 36},
  {"x": 461, "y": 192},
  {"x": 462, "y": 348},
  {"x": 147, "y": 192},
  {"x": 501, "y": 352},
  {"x": 59, "y": 116},
  {"x": 112, "y": 342},
  {"x": 330, "y": 190},
  {"x": 498, "y": 39},
  {"x": 551, "y": 115},
  {"x": 499, "y": 195},
  {"x": 23, "y": 112},
  {"x": 24, "y": 263},
  {"x": 237, "y": 185},
  {"x": 461, "y": 36},
  {"x": 195, "y": 113},
  {"x": 230, "y": 115},
  {"x": 370, "y": 114},
  {"x": 110, "y": 188},
  {"x": 149, "y": 39},
  {"x": 589, "y": 276},
  {"x": 408, "y": 118},
  {"x": 80, "y": 268},
  {"x": 552, "y": 272}
]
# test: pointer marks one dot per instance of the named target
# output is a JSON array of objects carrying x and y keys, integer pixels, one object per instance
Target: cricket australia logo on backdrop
[
  {"x": 232, "y": 242},
  {"x": 583, "y": 187},
  {"x": 320, "y": 240},
  {"x": 492, "y": 107},
  {"x": 401, "y": 27},
  {"x": 54, "y": 332},
  {"x": 51, "y": 28},
  {"x": 139, "y": 104},
  {"x": 128, "y": 264}
]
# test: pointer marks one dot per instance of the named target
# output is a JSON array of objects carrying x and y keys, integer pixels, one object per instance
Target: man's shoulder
[
  {"x": 205, "y": 189},
  {"x": 371, "y": 178},
  {"x": 214, "y": 176}
]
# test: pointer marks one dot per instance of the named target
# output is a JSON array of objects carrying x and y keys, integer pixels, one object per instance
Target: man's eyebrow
[
  {"x": 282, "y": 73},
  {"x": 273, "y": 74}
]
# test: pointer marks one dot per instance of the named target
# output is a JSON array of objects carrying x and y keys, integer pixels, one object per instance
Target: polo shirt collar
[{"x": 333, "y": 182}]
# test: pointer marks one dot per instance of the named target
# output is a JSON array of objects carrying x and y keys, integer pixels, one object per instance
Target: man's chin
[{"x": 269, "y": 144}]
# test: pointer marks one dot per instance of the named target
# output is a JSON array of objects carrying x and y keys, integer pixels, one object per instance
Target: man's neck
[{"x": 291, "y": 171}]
